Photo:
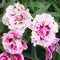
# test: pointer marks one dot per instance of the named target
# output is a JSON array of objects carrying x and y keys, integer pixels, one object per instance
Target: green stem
[
  {"x": 28, "y": 55},
  {"x": 34, "y": 53}
]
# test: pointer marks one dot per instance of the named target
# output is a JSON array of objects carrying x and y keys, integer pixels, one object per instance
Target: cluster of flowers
[{"x": 17, "y": 18}]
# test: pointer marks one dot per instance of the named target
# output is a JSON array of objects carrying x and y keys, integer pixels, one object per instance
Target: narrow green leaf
[
  {"x": 56, "y": 7},
  {"x": 34, "y": 53},
  {"x": 38, "y": 4},
  {"x": 1, "y": 46},
  {"x": 58, "y": 49},
  {"x": 42, "y": 9},
  {"x": 11, "y": 2},
  {"x": 57, "y": 20},
  {"x": 2, "y": 4},
  {"x": 35, "y": 4},
  {"x": 54, "y": 14},
  {"x": 32, "y": 5},
  {"x": 28, "y": 55},
  {"x": 54, "y": 56},
  {"x": 58, "y": 57},
  {"x": 25, "y": 4}
]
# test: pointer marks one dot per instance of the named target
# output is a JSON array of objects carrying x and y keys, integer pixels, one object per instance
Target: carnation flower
[
  {"x": 50, "y": 49},
  {"x": 13, "y": 43},
  {"x": 18, "y": 57},
  {"x": 44, "y": 24},
  {"x": 17, "y": 17},
  {"x": 38, "y": 40},
  {"x": 5, "y": 56},
  {"x": 43, "y": 32}
]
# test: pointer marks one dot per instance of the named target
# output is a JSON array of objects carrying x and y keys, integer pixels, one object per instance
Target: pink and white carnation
[
  {"x": 43, "y": 32},
  {"x": 13, "y": 43},
  {"x": 18, "y": 57},
  {"x": 50, "y": 49},
  {"x": 44, "y": 24},
  {"x": 5, "y": 56},
  {"x": 17, "y": 17},
  {"x": 38, "y": 40}
]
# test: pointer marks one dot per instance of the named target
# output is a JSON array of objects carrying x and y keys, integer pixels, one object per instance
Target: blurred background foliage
[{"x": 36, "y": 7}]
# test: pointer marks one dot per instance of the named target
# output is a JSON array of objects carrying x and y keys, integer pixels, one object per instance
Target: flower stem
[{"x": 34, "y": 53}]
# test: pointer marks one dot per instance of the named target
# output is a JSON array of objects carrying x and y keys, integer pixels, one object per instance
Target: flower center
[{"x": 43, "y": 31}]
